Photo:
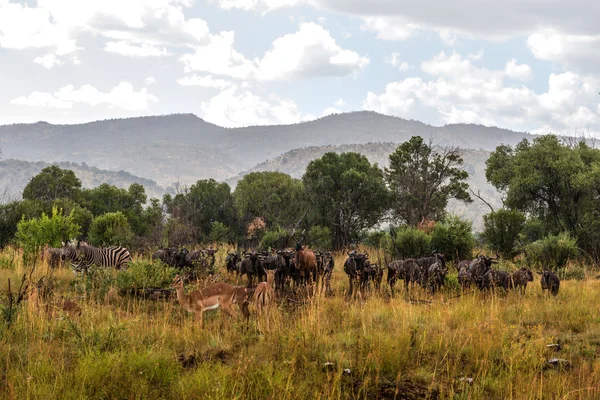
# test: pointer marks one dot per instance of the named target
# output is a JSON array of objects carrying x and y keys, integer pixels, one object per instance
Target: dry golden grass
[{"x": 126, "y": 348}]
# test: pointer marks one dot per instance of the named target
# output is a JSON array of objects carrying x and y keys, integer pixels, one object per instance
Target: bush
[
  {"x": 553, "y": 252},
  {"x": 409, "y": 242},
  {"x": 501, "y": 231},
  {"x": 275, "y": 239},
  {"x": 453, "y": 238},
  {"x": 376, "y": 239},
  {"x": 320, "y": 237},
  {"x": 219, "y": 232},
  {"x": 145, "y": 274},
  {"x": 111, "y": 229},
  {"x": 52, "y": 230}
]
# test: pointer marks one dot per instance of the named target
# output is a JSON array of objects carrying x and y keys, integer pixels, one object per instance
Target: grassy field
[{"x": 122, "y": 347}]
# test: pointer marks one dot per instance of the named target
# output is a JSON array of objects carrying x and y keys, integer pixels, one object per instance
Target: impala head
[{"x": 177, "y": 282}]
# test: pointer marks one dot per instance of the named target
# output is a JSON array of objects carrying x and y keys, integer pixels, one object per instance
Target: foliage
[
  {"x": 110, "y": 229},
  {"x": 454, "y": 238},
  {"x": 51, "y": 230},
  {"x": 202, "y": 204},
  {"x": 422, "y": 178},
  {"x": 376, "y": 239},
  {"x": 273, "y": 196},
  {"x": 346, "y": 194},
  {"x": 145, "y": 274},
  {"x": 556, "y": 183},
  {"x": 553, "y": 252},
  {"x": 320, "y": 237},
  {"x": 408, "y": 242},
  {"x": 275, "y": 239},
  {"x": 53, "y": 183},
  {"x": 219, "y": 232},
  {"x": 502, "y": 230},
  {"x": 177, "y": 233}
]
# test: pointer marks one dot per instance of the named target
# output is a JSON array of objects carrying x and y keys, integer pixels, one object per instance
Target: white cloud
[
  {"x": 234, "y": 108},
  {"x": 121, "y": 96},
  {"x": 340, "y": 103},
  {"x": 150, "y": 80},
  {"x": 207, "y": 81},
  {"x": 394, "y": 60},
  {"x": 390, "y": 28},
  {"x": 518, "y": 71},
  {"x": 476, "y": 56},
  {"x": 580, "y": 52},
  {"x": 461, "y": 92},
  {"x": 258, "y": 5},
  {"x": 126, "y": 48},
  {"x": 75, "y": 60},
  {"x": 311, "y": 51},
  {"x": 448, "y": 36},
  {"x": 48, "y": 61}
]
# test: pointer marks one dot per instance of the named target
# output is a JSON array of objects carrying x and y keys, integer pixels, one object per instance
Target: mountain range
[{"x": 176, "y": 149}]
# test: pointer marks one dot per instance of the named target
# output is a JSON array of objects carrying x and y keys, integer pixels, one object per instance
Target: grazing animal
[
  {"x": 231, "y": 261},
  {"x": 84, "y": 256},
  {"x": 520, "y": 279},
  {"x": 218, "y": 295},
  {"x": 478, "y": 268},
  {"x": 393, "y": 273},
  {"x": 412, "y": 273},
  {"x": 494, "y": 278},
  {"x": 328, "y": 266},
  {"x": 426, "y": 262},
  {"x": 550, "y": 282},
  {"x": 353, "y": 267},
  {"x": 306, "y": 263},
  {"x": 436, "y": 276},
  {"x": 464, "y": 277},
  {"x": 252, "y": 266},
  {"x": 264, "y": 296},
  {"x": 52, "y": 255}
]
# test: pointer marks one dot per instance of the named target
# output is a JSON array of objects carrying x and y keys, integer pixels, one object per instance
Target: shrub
[
  {"x": 52, "y": 230},
  {"x": 219, "y": 232},
  {"x": 110, "y": 229},
  {"x": 501, "y": 231},
  {"x": 275, "y": 239},
  {"x": 553, "y": 252},
  {"x": 376, "y": 239},
  {"x": 453, "y": 238},
  {"x": 410, "y": 242},
  {"x": 320, "y": 237},
  {"x": 145, "y": 274}
]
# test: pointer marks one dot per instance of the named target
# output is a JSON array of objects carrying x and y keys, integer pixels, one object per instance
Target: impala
[
  {"x": 217, "y": 295},
  {"x": 264, "y": 295}
]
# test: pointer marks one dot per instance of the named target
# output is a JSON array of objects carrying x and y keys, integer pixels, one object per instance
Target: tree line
[{"x": 550, "y": 189}]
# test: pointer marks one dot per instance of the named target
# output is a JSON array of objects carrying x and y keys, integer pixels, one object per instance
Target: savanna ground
[{"x": 123, "y": 347}]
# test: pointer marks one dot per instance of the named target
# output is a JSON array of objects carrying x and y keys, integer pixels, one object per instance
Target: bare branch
[{"x": 478, "y": 195}]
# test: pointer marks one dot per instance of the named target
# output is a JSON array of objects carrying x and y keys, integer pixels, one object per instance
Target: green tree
[
  {"x": 409, "y": 242},
  {"x": 33, "y": 234},
  {"x": 110, "y": 229},
  {"x": 202, "y": 204},
  {"x": 219, "y": 232},
  {"x": 274, "y": 196},
  {"x": 422, "y": 178},
  {"x": 501, "y": 232},
  {"x": 53, "y": 183},
  {"x": 81, "y": 215},
  {"x": 454, "y": 238},
  {"x": 346, "y": 194}
]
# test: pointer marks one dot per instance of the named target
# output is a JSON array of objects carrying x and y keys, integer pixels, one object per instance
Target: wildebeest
[
  {"x": 53, "y": 255},
  {"x": 464, "y": 277},
  {"x": 479, "y": 267},
  {"x": 306, "y": 263},
  {"x": 165, "y": 255},
  {"x": 353, "y": 267},
  {"x": 550, "y": 282},
  {"x": 283, "y": 268},
  {"x": 520, "y": 279},
  {"x": 252, "y": 266},
  {"x": 436, "y": 276},
  {"x": 426, "y": 262},
  {"x": 328, "y": 266},
  {"x": 496, "y": 279},
  {"x": 393, "y": 273},
  {"x": 412, "y": 273},
  {"x": 231, "y": 261}
]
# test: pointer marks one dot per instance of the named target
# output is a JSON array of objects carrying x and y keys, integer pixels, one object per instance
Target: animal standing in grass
[
  {"x": 264, "y": 296},
  {"x": 218, "y": 295},
  {"x": 83, "y": 256},
  {"x": 550, "y": 282}
]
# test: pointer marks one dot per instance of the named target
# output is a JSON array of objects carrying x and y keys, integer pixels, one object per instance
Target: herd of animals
[{"x": 289, "y": 269}]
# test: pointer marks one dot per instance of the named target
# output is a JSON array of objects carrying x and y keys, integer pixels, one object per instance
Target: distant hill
[
  {"x": 294, "y": 163},
  {"x": 186, "y": 148},
  {"x": 16, "y": 174}
]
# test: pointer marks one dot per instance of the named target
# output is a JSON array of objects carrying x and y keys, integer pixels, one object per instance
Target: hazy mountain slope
[
  {"x": 186, "y": 148},
  {"x": 15, "y": 174},
  {"x": 295, "y": 162}
]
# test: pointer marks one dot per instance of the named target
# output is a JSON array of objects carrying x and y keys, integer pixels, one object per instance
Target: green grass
[{"x": 122, "y": 347}]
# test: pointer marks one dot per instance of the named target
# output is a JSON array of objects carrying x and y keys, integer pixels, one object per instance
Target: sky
[{"x": 526, "y": 65}]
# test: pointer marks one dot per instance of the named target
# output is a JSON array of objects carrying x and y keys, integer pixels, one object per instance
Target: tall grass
[{"x": 124, "y": 347}]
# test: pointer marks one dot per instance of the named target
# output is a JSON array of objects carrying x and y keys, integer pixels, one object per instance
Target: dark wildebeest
[
  {"x": 53, "y": 255},
  {"x": 328, "y": 266},
  {"x": 306, "y": 263},
  {"x": 412, "y": 272},
  {"x": 426, "y": 262},
  {"x": 520, "y": 279},
  {"x": 283, "y": 268},
  {"x": 464, "y": 277},
  {"x": 436, "y": 276},
  {"x": 550, "y": 282},
  {"x": 395, "y": 271},
  {"x": 252, "y": 267},
  {"x": 375, "y": 273},
  {"x": 231, "y": 261},
  {"x": 353, "y": 267},
  {"x": 496, "y": 279},
  {"x": 478, "y": 268},
  {"x": 165, "y": 255}
]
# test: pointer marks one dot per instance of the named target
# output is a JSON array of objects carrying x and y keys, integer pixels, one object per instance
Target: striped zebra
[{"x": 84, "y": 256}]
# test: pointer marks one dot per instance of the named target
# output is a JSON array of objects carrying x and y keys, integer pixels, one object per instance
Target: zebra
[{"x": 84, "y": 256}]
